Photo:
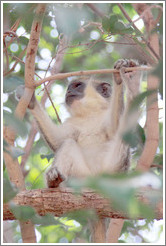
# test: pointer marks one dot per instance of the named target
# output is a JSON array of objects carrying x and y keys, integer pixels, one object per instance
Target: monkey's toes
[{"x": 54, "y": 179}]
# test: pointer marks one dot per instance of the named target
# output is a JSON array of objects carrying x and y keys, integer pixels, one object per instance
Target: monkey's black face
[{"x": 75, "y": 91}]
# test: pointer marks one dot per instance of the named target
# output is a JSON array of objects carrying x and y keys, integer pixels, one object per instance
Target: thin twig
[
  {"x": 88, "y": 72},
  {"x": 53, "y": 105}
]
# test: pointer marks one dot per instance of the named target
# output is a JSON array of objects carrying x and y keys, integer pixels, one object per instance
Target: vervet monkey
[{"x": 90, "y": 141}]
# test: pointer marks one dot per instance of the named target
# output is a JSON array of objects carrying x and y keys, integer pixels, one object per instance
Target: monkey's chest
[{"x": 90, "y": 138}]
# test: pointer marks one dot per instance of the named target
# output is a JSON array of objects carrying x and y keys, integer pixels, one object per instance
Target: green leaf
[
  {"x": 9, "y": 190},
  {"x": 11, "y": 83},
  {"x": 106, "y": 24},
  {"x": 141, "y": 134},
  {"x": 82, "y": 216},
  {"x": 22, "y": 213},
  {"x": 131, "y": 138},
  {"x": 11, "y": 120},
  {"x": 24, "y": 40},
  {"x": 159, "y": 159},
  {"x": 135, "y": 105},
  {"x": 48, "y": 157},
  {"x": 159, "y": 73},
  {"x": 135, "y": 136},
  {"x": 155, "y": 12},
  {"x": 121, "y": 190},
  {"x": 46, "y": 220},
  {"x": 119, "y": 26}
]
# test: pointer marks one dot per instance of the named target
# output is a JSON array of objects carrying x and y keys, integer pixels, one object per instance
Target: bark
[{"x": 60, "y": 201}]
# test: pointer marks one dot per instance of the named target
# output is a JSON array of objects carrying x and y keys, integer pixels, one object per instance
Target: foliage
[{"x": 90, "y": 46}]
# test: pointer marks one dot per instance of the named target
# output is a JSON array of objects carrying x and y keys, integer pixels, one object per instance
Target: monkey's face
[
  {"x": 75, "y": 91},
  {"x": 84, "y": 96}
]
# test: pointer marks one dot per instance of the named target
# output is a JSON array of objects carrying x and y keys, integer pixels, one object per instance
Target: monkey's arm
[
  {"x": 131, "y": 80},
  {"x": 53, "y": 134},
  {"x": 116, "y": 108}
]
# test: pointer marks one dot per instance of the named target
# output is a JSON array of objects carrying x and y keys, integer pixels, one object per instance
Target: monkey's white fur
[{"x": 90, "y": 141}]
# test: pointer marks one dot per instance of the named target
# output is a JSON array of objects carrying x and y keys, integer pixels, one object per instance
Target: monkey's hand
[
  {"x": 20, "y": 91},
  {"x": 121, "y": 64},
  {"x": 54, "y": 177},
  {"x": 130, "y": 78}
]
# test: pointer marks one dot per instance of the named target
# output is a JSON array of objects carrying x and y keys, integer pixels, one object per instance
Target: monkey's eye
[
  {"x": 104, "y": 89},
  {"x": 76, "y": 85}
]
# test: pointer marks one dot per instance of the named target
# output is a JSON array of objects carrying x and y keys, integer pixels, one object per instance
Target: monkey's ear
[{"x": 104, "y": 89}]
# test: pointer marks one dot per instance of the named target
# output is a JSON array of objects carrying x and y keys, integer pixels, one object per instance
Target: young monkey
[{"x": 90, "y": 141}]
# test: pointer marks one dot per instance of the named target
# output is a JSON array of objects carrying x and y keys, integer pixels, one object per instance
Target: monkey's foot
[
  {"x": 54, "y": 178},
  {"x": 122, "y": 63}
]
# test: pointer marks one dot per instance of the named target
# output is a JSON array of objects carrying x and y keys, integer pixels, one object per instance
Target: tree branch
[
  {"x": 88, "y": 72},
  {"x": 152, "y": 124},
  {"x": 59, "y": 201},
  {"x": 30, "y": 61}
]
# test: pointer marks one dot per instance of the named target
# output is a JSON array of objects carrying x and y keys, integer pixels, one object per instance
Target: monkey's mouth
[{"x": 71, "y": 98}]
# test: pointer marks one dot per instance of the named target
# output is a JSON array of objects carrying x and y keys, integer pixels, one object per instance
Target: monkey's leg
[{"x": 69, "y": 161}]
